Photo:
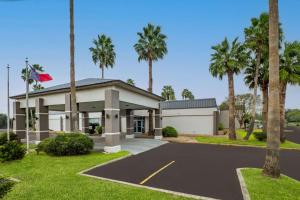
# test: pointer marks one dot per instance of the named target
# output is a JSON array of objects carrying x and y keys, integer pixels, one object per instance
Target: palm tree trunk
[
  {"x": 232, "y": 135},
  {"x": 282, "y": 110},
  {"x": 253, "y": 113},
  {"x": 271, "y": 167},
  {"x": 74, "y": 120},
  {"x": 102, "y": 71},
  {"x": 151, "y": 132},
  {"x": 265, "y": 107}
]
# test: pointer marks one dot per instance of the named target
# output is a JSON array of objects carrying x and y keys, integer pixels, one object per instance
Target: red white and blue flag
[{"x": 39, "y": 75}]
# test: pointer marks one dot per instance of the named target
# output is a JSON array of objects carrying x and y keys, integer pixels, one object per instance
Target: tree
[
  {"x": 150, "y": 47},
  {"x": 36, "y": 85},
  {"x": 186, "y": 94},
  {"x": 293, "y": 115},
  {"x": 103, "y": 53},
  {"x": 168, "y": 93},
  {"x": 271, "y": 166},
  {"x": 263, "y": 83},
  {"x": 229, "y": 60},
  {"x": 243, "y": 106},
  {"x": 256, "y": 39},
  {"x": 130, "y": 81},
  {"x": 289, "y": 74},
  {"x": 74, "y": 116},
  {"x": 3, "y": 120}
]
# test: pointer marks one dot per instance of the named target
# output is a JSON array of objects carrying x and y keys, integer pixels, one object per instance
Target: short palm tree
[
  {"x": 103, "y": 53},
  {"x": 187, "y": 94},
  {"x": 36, "y": 86},
  {"x": 130, "y": 81},
  {"x": 168, "y": 93},
  {"x": 151, "y": 46},
  {"x": 289, "y": 74},
  {"x": 229, "y": 60},
  {"x": 271, "y": 165}
]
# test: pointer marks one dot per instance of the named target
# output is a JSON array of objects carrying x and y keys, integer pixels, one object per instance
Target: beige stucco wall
[{"x": 224, "y": 119}]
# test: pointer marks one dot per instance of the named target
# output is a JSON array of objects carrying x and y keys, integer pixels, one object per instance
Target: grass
[
  {"x": 50, "y": 178},
  {"x": 240, "y": 134},
  {"x": 264, "y": 188}
]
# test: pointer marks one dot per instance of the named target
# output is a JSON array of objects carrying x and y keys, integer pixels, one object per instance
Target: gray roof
[
  {"x": 185, "y": 104},
  {"x": 80, "y": 83},
  {"x": 86, "y": 82}
]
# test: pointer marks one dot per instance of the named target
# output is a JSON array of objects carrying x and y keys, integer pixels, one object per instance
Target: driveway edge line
[
  {"x": 151, "y": 188},
  {"x": 105, "y": 163},
  {"x": 243, "y": 185}
]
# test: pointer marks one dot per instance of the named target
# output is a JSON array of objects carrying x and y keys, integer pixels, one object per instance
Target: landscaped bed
[
  {"x": 263, "y": 188},
  {"x": 49, "y": 177},
  {"x": 223, "y": 140}
]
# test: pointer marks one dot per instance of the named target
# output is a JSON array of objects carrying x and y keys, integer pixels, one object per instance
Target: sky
[{"x": 39, "y": 30}]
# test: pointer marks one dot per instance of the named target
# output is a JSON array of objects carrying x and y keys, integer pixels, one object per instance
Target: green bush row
[
  {"x": 67, "y": 144},
  {"x": 260, "y": 136}
]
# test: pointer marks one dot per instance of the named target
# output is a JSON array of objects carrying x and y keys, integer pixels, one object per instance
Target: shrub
[
  {"x": 12, "y": 150},
  {"x": 220, "y": 127},
  {"x": 5, "y": 186},
  {"x": 67, "y": 144},
  {"x": 169, "y": 131},
  {"x": 99, "y": 129},
  {"x": 3, "y": 137},
  {"x": 260, "y": 136},
  {"x": 298, "y": 124}
]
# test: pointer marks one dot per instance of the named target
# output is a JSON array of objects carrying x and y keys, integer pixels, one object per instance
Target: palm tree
[
  {"x": 263, "y": 83},
  {"x": 256, "y": 39},
  {"x": 186, "y": 94},
  {"x": 74, "y": 118},
  {"x": 130, "y": 81},
  {"x": 103, "y": 52},
  {"x": 168, "y": 93},
  {"x": 37, "y": 85},
  {"x": 271, "y": 165},
  {"x": 289, "y": 74},
  {"x": 150, "y": 47},
  {"x": 229, "y": 60}
]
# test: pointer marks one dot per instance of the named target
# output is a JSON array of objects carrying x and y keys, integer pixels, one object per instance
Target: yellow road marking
[{"x": 155, "y": 173}]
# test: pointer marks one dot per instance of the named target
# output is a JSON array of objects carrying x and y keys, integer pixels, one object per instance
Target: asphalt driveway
[
  {"x": 293, "y": 134},
  {"x": 199, "y": 169}
]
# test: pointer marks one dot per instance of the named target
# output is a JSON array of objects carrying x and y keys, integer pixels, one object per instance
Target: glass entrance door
[{"x": 139, "y": 124}]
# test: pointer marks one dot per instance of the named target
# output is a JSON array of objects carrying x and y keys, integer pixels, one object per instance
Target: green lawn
[
  {"x": 46, "y": 177},
  {"x": 240, "y": 134},
  {"x": 264, "y": 188}
]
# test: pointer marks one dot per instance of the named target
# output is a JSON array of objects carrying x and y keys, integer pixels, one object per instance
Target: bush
[
  {"x": 12, "y": 150},
  {"x": 67, "y": 144},
  {"x": 220, "y": 127},
  {"x": 5, "y": 186},
  {"x": 169, "y": 131},
  {"x": 298, "y": 124},
  {"x": 260, "y": 136},
  {"x": 3, "y": 137},
  {"x": 99, "y": 129}
]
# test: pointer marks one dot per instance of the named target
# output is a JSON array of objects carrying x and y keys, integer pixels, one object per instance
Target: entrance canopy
[{"x": 90, "y": 94}]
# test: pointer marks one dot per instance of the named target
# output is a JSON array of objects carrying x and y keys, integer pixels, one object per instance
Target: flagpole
[
  {"x": 27, "y": 105},
  {"x": 8, "y": 108}
]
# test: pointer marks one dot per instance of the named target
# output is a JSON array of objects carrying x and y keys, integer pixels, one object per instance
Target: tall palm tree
[
  {"x": 289, "y": 74},
  {"x": 150, "y": 47},
  {"x": 74, "y": 116},
  {"x": 168, "y": 93},
  {"x": 103, "y": 52},
  {"x": 256, "y": 39},
  {"x": 229, "y": 60},
  {"x": 36, "y": 86},
  {"x": 271, "y": 166},
  {"x": 130, "y": 81},
  {"x": 186, "y": 94}
]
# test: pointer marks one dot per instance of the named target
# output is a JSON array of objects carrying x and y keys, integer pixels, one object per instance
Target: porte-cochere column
[
  {"x": 42, "y": 120},
  {"x": 19, "y": 118},
  {"x": 112, "y": 125}
]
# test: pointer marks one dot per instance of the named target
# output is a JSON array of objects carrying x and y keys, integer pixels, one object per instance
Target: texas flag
[{"x": 39, "y": 75}]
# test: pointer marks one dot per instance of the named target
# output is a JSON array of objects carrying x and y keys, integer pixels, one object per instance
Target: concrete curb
[
  {"x": 243, "y": 185},
  {"x": 82, "y": 173}
]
